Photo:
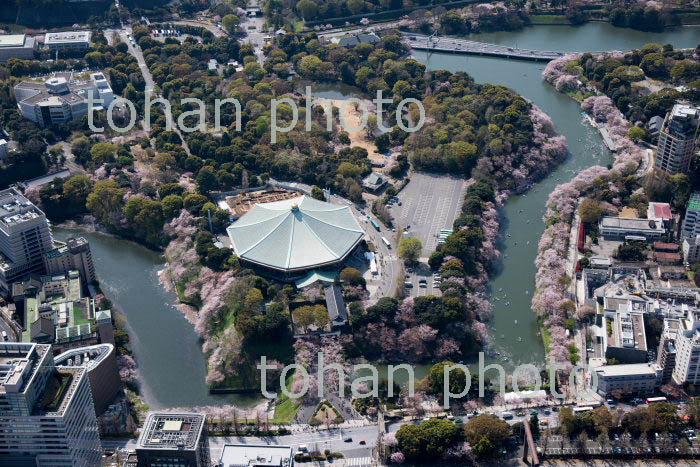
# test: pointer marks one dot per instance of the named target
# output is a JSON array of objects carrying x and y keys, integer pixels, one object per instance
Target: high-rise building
[
  {"x": 691, "y": 222},
  {"x": 47, "y": 417},
  {"x": 173, "y": 440},
  {"x": 24, "y": 238},
  {"x": 677, "y": 139},
  {"x": 74, "y": 254},
  {"x": 101, "y": 364},
  {"x": 687, "y": 367}
]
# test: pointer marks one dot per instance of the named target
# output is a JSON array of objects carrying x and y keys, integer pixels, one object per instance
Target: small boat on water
[
  {"x": 516, "y": 321},
  {"x": 505, "y": 359},
  {"x": 520, "y": 339}
]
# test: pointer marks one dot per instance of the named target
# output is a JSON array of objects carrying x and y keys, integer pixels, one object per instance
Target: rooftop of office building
[
  {"x": 12, "y": 40},
  {"x": 171, "y": 431},
  {"x": 70, "y": 244},
  {"x": 67, "y": 37},
  {"x": 58, "y": 89},
  {"x": 16, "y": 209},
  {"x": 630, "y": 369},
  {"x": 18, "y": 364}
]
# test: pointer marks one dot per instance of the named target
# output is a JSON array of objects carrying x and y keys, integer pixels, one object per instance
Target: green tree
[
  {"x": 484, "y": 449},
  {"x": 429, "y": 440},
  {"x": 77, "y": 189},
  {"x": 103, "y": 152},
  {"x": 636, "y": 133},
  {"x": 534, "y": 425},
  {"x": 410, "y": 249},
  {"x": 590, "y": 211},
  {"x": 317, "y": 193},
  {"x": 495, "y": 430},
  {"x": 194, "y": 203},
  {"x": 352, "y": 277},
  {"x": 308, "y": 315},
  {"x": 230, "y": 23},
  {"x": 436, "y": 379},
  {"x": 308, "y": 9},
  {"x": 206, "y": 180},
  {"x": 105, "y": 201},
  {"x": 172, "y": 205}
]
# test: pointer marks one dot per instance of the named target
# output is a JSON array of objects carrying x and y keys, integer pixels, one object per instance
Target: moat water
[{"x": 164, "y": 342}]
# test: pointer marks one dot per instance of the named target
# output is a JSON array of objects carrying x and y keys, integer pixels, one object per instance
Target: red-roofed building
[
  {"x": 668, "y": 247},
  {"x": 667, "y": 258},
  {"x": 661, "y": 211}
]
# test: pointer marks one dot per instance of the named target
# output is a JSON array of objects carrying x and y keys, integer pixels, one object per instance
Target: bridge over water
[{"x": 463, "y": 46}]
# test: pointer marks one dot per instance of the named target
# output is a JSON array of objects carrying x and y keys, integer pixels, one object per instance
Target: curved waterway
[
  {"x": 514, "y": 328},
  {"x": 172, "y": 367}
]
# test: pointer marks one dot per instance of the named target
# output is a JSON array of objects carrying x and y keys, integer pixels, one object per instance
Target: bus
[
  {"x": 654, "y": 400},
  {"x": 386, "y": 242},
  {"x": 376, "y": 225},
  {"x": 578, "y": 410}
]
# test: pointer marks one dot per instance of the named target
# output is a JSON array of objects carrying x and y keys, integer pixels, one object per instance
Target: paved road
[
  {"x": 321, "y": 440},
  {"x": 255, "y": 33}
]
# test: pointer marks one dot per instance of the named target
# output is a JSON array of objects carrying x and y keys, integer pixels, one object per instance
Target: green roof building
[{"x": 296, "y": 235}]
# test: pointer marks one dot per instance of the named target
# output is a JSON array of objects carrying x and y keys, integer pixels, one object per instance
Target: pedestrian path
[{"x": 359, "y": 461}]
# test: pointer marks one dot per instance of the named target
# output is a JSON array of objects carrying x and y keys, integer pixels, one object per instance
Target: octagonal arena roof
[{"x": 295, "y": 234}]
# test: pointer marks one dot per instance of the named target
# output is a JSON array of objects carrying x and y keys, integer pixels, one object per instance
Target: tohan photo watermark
[
  {"x": 284, "y": 105},
  {"x": 359, "y": 386}
]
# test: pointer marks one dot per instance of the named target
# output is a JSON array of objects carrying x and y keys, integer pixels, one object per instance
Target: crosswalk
[{"x": 359, "y": 461}]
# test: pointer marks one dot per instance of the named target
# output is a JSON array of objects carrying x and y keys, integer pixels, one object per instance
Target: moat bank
[
  {"x": 514, "y": 328},
  {"x": 168, "y": 351},
  {"x": 164, "y": 342}
]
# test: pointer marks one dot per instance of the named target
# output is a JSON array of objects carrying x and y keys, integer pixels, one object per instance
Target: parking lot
[
  {"x": 429, "y": 203},
  {"x": 622, "y": 445}
]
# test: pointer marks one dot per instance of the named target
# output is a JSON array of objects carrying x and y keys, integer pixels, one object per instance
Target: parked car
[
  {"x": 348, "y": 440},
  {"x": 363, "y": 442}
]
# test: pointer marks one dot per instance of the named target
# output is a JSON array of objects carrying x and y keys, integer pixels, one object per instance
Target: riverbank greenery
[{"x": 157, "y": 187}]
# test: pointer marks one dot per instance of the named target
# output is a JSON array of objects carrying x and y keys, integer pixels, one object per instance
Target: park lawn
[
  {"x": 286, "y": 408},
  {"x": 549, "y": 20},
  {"x": 546, "y": 338},
  {"x": 286, "y": 411}
]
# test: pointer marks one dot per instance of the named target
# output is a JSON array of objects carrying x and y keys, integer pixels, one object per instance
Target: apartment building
[
  {"x": 74, "y": 254},
  {"x": 47, "y": 418},
  {"x": 25, "y": 236},
  {"x": 691, "y": 249},
  {"x": 677, "y": 139},
  {"x": 687, "y": 367},
  {"x": 691, "y": 222}
]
